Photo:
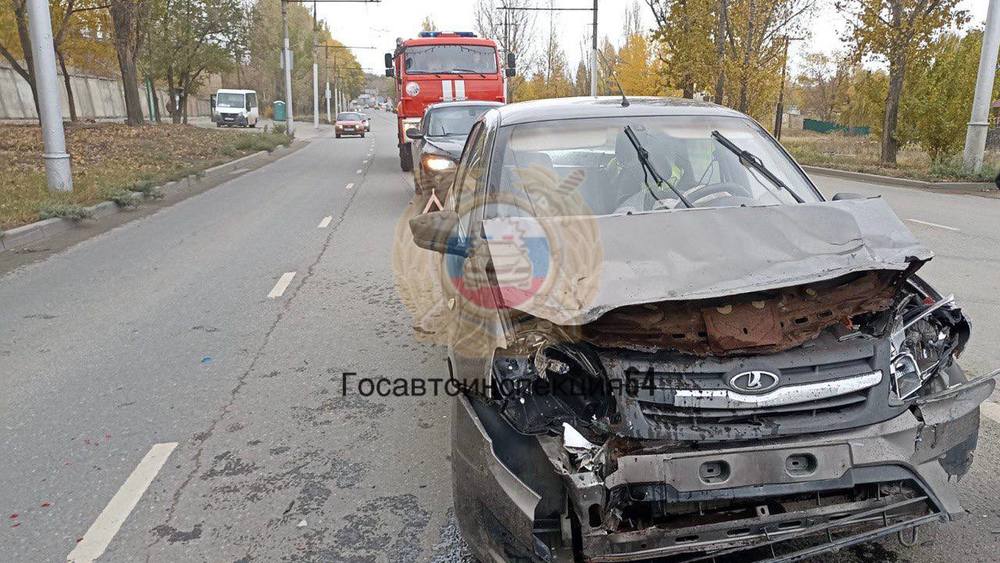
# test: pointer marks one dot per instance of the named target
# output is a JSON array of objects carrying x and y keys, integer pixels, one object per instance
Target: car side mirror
[
  {"x": 437, "y": 231},
  {"x": 509, "y": 72},
  {"x": 414, "y": 133},
  {"x": 847, "y": 195},
  {"x": 389, "y": 72}
]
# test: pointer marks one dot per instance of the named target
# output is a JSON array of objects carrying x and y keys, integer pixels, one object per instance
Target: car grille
[{"x": 825, "y": 383}]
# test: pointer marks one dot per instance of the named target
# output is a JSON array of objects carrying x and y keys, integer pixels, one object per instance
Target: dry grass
[
  {"x": 861, "y": 154},
  {"x": 108, "y": 158}
]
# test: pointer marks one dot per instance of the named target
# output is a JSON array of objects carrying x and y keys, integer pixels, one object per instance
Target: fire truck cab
[{"x": 441, "y": 66}]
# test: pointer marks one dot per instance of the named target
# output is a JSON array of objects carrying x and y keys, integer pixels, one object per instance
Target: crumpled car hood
[
  {"x": 451, "y": 145},
  {"x": 702, "y": 253}
]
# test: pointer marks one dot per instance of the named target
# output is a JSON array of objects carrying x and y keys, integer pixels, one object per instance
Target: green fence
[{"x": 831, "y": 127}]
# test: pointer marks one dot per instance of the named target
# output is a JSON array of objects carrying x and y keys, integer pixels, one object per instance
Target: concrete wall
[{"x": 95, "y": 97}]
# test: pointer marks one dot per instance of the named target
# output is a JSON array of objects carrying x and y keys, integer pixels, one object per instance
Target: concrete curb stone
[{"x": 905, "y": 182}]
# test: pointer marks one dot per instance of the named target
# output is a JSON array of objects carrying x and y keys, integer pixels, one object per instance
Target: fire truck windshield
[{"x": 450, "y": 59}]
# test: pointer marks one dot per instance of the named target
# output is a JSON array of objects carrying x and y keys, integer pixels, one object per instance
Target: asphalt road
[{"x": 187, "y": 327}]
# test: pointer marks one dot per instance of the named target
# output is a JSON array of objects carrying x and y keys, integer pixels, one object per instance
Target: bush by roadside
[
  {"x": 861, "y": 154},
  {"x": 109, "y": 160}
]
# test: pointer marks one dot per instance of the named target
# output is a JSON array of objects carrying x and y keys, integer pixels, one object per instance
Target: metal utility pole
[
  {"x": 315, "y": 73},
  {"x": 593, "y": 57},
  {"x": 57, "y": 166},
  {"x": 287, "y": 60},
  {"x": 975, "y": 136}
]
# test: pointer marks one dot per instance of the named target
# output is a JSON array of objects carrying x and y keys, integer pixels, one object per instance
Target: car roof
[
  {"x": 234, "y": 91},
  {"x": 606, "y": 106},
  {"x": 464, "y": 103}
]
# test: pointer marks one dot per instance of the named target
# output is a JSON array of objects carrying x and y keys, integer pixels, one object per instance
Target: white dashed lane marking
[
  {"x": 325, "y": 222},
  {"x": 929, "y": 224},
  {"x": 282, "y": 285},
  {"x": 349, "y": 186},
  {"x": 103, "y": 530}
]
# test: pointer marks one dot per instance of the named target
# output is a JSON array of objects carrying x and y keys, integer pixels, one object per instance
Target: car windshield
[
  {"x": 455, "y": 120},
  {"x": 348, "y": 116},
  {"x": 594, "y": 157},
  {"x": 450, "y": 59},
  {"x": 229, "y": 100}
]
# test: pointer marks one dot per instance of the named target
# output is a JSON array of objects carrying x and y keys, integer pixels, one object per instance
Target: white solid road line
[
  {"x": 990, "y": 410},
  {"x": 103, "y": 530},
  {"x": 929, "y": 224},
  {"x": 282, "y": 285},
  {"x": 325, "y": 222}
]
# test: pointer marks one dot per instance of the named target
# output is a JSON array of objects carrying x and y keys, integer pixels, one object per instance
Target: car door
[
  {"x": 473, "y": 323},
  {"x": 253, "y": 111}
]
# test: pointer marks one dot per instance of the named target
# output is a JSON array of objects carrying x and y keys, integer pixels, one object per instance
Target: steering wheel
[{"x": 731, "y": 188}]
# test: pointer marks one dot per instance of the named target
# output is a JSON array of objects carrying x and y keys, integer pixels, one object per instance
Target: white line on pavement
[
  {"x": 349, "y": 186},
  {"x": 103, "y": 530},
  {"x": 990, "y": 410},
  {"x": 929, "y": 224},
  {"x": 282, "y": 285},
  {"x": 325, "y": 222},
  {"x": 359, "y": 171},
  {"x": 364, "y": 162}
]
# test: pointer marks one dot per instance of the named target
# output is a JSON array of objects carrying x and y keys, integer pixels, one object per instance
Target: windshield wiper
[
  {"x": 751, "y": 160},
  {"x": 469, "y": 70},
  {"x": 647, "y": 165}
]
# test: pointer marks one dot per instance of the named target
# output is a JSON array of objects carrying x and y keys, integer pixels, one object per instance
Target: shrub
[{"x": 51, "y": 210}]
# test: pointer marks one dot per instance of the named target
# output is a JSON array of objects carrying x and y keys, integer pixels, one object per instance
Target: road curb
[
  {"x": 22, "y": 236},
  {"x": 904, "y": 182}
]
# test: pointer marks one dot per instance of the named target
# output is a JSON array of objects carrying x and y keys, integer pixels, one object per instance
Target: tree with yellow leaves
[{"x": 637, "y": 68}]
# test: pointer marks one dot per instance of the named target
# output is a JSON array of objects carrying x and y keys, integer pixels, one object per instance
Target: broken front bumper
[{"x": 512, "y": 491}]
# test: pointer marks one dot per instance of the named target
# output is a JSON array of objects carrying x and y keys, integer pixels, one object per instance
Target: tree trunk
[
  {"x": 69, "y": 85},
  {"x": 890, "y": 145},
  {"x": 744, "y": 106},
  {"x": 127, "y": 17},
  {"x": 156, "y": 102},
  {"x": 21, "y": 17},
  {"x": 720, "y": 50}
]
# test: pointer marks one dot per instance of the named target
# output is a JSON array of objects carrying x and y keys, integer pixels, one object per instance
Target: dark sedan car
[
  {"x": 438, "y": 143},
  {"x": 671, "y": 345}
]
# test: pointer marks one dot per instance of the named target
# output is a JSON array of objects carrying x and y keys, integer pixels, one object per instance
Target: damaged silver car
[{"x": 672, "y": 347}]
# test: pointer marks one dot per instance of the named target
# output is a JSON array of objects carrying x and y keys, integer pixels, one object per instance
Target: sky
[{"x": 378, "y": 25}]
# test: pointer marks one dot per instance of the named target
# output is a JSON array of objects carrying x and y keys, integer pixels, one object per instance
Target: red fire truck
[{"x": 442, "y": 66}]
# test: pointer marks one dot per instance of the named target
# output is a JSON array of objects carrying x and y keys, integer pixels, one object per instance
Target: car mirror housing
[
  {"x": 414, "y": 133},
  {"x": 437, "y": 231},
  {"x": 847, "y": 195}
]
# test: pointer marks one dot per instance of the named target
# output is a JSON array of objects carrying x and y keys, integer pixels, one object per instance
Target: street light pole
[
  {"x": 975, "y": 135},
  {"x": 57, "y": 166},
  {"x": 287, "y": 60},
  {"x": 593, "y": 57}
]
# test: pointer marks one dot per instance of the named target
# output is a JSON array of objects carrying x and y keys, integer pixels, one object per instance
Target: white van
[{"x": 236, "y": 107}]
